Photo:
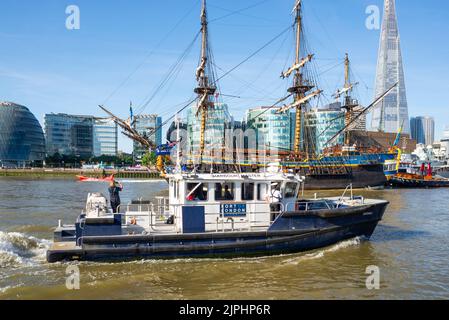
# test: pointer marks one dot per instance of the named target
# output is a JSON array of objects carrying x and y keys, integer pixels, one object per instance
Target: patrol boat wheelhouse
[{"x": 215, "y": 215}]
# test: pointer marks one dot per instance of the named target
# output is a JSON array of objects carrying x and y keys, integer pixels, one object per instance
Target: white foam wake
[
  {"x": 321, "y": 253},
  {"x": 18, "y": 249}
]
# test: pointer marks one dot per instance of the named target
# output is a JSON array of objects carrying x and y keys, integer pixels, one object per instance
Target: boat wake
[
  {"x": 321, "y": 253},
  {"x": 18, "y": 249}
]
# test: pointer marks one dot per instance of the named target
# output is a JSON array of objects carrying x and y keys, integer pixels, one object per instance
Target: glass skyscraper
[
  {"x": 423, "y": 130},
  {"x": 145, "y": 126},
  {"x": 273, "y": 130},
  {"x": 22, "y": 140},
  {"x": 105, "y": 137},
  {"x": 391, "y": 113},
  {"x": 321, "y": 125},
  {"x": 218, "y": 122},
  {"x": 69, "y": 134}
]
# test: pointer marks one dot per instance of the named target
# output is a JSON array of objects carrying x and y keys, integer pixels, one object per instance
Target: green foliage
[
  {"x": 72, "y": 161},
  {"x": 149, "y": 159}
]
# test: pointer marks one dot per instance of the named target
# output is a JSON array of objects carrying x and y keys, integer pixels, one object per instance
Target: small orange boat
[{"x": 89, "y": 179}]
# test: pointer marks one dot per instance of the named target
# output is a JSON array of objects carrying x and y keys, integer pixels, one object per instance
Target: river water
[{"x": 410, "y": 247}]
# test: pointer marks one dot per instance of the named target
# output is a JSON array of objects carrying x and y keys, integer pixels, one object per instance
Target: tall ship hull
[{"x": 362, "y": 171}]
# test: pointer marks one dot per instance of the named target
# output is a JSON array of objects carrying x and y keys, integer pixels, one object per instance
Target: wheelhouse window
[
  {"x": 248, "y": 191},
  {"x": 175, "y": 189},
  {"x": 290, "y": 190},
  {"x": 224, "y": 191},
  {"x": 196, "y": 192},
  {"x": 262, "y": 191}
]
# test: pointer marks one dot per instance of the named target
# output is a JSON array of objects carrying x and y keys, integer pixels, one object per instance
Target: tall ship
[
  {"x": 339, "y": 165},
  {"x": 214, "y": 214},
  {"x": 342, "y": 164}
]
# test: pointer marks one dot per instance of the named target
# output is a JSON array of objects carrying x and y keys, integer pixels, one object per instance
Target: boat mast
[
  {"x": 297, "y": 82},
  {"x": 204, "y": 90},
  {"x": 348, "y": 103},
  {"x": 300, "y": 87}
]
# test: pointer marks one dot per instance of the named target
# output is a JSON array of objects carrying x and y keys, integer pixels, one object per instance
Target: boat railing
[
  {"x": 254, "y": 215},
  {"x": 342, "y": 198},
  {"x": 151, "y": 214}
]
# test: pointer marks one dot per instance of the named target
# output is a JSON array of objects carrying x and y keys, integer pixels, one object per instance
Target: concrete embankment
[{"x": 72, "y": 173}]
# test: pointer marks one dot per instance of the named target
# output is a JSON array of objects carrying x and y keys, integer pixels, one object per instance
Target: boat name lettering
[{"x": 233, "y": 210}]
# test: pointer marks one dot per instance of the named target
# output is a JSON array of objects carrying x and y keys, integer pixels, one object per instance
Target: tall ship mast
[
  {"x": 301, "y": 87},
  {"x": 332, "y": 171},
  {"x": 206, "y": 80},
  {"x": 348, "y": 102}
]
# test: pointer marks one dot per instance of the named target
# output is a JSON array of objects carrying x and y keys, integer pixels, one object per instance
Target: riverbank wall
[{"x": 72, "y": 173}]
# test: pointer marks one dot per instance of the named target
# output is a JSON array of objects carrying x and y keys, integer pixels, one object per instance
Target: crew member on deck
[
  {"x": 274, "y": 198},
  {"x": 114, "y": 192}
]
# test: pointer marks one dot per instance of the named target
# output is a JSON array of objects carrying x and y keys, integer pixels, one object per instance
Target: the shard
[{"x": 392, "y": 113}]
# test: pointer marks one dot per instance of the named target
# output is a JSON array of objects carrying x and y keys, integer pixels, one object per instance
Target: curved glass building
[{"x": 22, "y": 140}]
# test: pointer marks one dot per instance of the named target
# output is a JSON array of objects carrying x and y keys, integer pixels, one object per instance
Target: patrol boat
[
  {"x": 211, "y": 214},
  {"x": 215, "y": 215}
]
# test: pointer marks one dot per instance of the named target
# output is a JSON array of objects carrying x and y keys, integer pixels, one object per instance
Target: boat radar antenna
[
  {"x": 204, "y": 90},
  {"x": 300, "y": 86}
]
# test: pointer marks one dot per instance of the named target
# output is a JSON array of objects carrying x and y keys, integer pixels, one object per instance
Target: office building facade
[
  {"x": 149, "y": 126},
  {"x": 105, "y": 137},
  {"x": 81, "y": 136},
  {"x": 273, "y": 130},
  {"x": 423, "y": 130},
  {"x": 320, "y": 126},
  {"x": 69, "y": 134},
  {"x": 219, "y": 122},
  {"x": 22, "y": 141}
]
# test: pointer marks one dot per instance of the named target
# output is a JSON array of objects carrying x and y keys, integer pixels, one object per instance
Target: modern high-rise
[
  {"x": 273, "y": 130},
  {"x": 80, "y": 135},
  {"x": 423, "y": 130},
  {"x": 391, "y": 113},
  {"x": 321, "y": 125},
  {"x": 218, "y": 121},
  {"x": 69, "y": 134},
  {"x": 149, "y": 126},
  {"x": 105, "y": 137},
  {"x": 22, "y": 140}
]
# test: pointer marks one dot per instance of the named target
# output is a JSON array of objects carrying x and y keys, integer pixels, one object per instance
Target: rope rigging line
[
  {"x": 172, "y": 71},
  {"x": 150, "y": 53},
  {"x": 238, "y": 11},
  {"x": 227, "y": 73},
  {"x": 253, "y": 54}
]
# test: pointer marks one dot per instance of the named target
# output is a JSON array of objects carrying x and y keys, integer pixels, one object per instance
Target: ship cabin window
[
  {"x": 248, "y": 191},
  {"x": 175, "y": 189},
  {"x": 262, "y": 191},
  {"x": 290, "y": 190},
  {"x": 196, "y": 191},
  {"x": 224, "y": 191}
]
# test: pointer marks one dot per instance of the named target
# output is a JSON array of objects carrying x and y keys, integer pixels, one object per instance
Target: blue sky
[{"x": 51, "y": 69}]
